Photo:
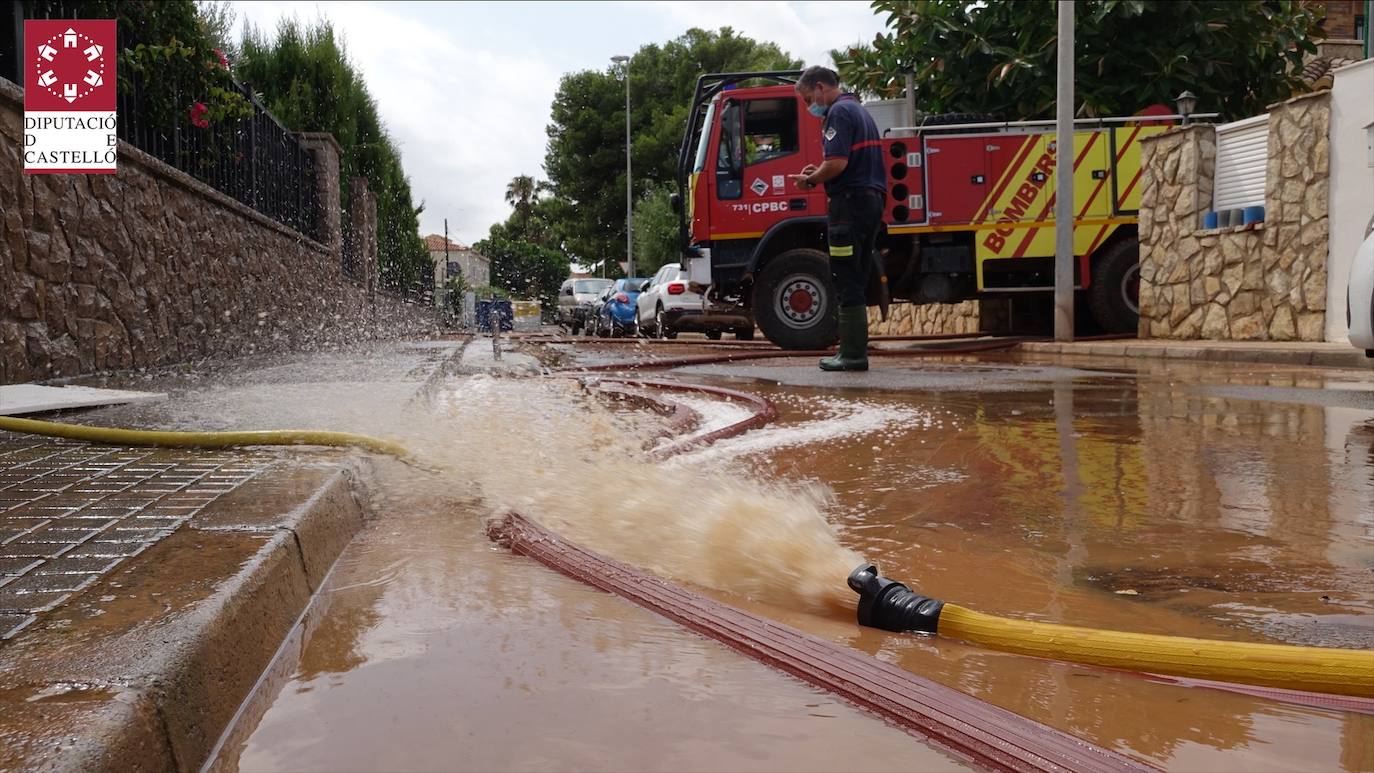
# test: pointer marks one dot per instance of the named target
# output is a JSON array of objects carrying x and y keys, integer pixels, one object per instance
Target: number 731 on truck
[{"x": 969, "y": 211}]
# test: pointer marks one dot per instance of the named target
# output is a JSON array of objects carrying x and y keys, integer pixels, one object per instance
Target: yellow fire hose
[
  {"x": 892, "y": 606},
  {"x": 1316, "y": 669},
  {"x": 138, "y": 437}
]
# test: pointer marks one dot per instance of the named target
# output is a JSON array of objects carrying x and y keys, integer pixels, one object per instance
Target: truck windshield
[{"x": 704, "y": 139}]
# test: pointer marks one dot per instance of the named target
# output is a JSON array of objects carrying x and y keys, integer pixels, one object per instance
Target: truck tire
[
  {"x": 1114, "y": 294},
  {"x": 795, "y": 303}
]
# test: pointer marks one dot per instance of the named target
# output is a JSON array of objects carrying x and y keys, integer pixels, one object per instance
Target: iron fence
[{"x": 255, "y": 160}]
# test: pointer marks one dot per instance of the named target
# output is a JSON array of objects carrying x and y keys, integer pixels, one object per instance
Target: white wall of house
[
  {"x": 476, "y": 268},
  {"x": 1352, "y": 184}
]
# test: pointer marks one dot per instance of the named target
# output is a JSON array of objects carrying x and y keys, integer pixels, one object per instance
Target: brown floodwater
[{"x": 1148, "y": 501}]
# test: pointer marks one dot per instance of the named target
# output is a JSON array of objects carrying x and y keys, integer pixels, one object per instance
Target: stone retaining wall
[
  {"x": 1264, "y": 282},
  {"x": 149, "y": 266},
  {"x": 925, "y": 319}
]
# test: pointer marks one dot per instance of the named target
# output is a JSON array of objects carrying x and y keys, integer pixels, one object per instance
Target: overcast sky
[{"x": 465, "y": 88}]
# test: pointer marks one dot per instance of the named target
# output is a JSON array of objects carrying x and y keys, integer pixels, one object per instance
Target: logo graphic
[
  {"x": 779, "y": 183},
  {"x": 830, "y": 132},
  {"x": 758, "y": 186},
  {"x": 69, "y": 96}
]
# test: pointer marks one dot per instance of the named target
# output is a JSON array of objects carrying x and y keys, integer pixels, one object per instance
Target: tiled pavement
[{"x": 71, "y": 512}]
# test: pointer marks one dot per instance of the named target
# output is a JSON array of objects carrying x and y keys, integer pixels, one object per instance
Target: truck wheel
[
  {"x": 714, "y": 335},
  {"x": 795, "y": 303},
  {"x": 1114, "y": 295},
  {"x": 744, "y": 334}
]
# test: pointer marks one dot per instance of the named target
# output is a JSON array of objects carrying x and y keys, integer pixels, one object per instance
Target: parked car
[
  {"x": 1359, "y": 300},
  {"x": 575, "y": 299},
  {"x": 616, "y": 315},
  {"x": 592, "y": 315},
  {"x": 668, "y": 306}
]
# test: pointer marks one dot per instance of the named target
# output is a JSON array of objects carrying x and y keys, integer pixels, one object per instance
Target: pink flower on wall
[
  {"x": 198, "y": 119},
  {"x": 223, "y": 61}
]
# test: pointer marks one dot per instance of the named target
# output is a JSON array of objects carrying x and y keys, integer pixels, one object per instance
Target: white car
[
  {"x": 1360, "y": 297},
  {"x": 667, "y": 306}
]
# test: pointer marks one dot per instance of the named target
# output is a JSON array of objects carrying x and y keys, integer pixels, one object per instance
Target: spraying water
[
  {"x": 559, "y": 456},
  {"x": 554, "y": 453}
]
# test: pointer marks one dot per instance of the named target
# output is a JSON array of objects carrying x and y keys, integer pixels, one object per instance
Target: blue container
[
  {"x": 1209, "y": 220},
  {"x": 503, "y": 308},
  {"x": 1252, "y": 215}
]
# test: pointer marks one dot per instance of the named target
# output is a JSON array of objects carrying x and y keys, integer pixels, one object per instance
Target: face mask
[{"x": 817, "y": 109}]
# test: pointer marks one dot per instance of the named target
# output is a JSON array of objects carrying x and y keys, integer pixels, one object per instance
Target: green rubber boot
[{"x": 853, "y": 353}]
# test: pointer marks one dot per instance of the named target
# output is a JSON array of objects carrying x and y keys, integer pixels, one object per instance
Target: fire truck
[{"x": 969, "y": 212}]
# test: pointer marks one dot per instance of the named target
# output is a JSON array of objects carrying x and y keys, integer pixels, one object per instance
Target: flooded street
[{"x": 1214, "y": 501}]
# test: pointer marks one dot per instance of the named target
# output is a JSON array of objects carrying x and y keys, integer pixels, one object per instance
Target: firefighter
[{"x": 855, "y": 183}]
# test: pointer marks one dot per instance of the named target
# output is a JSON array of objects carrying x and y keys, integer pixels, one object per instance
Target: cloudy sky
[{"x": 465, "y": 88}]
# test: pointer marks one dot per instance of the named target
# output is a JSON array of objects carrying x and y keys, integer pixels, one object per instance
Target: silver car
[{"x": 575, "y": 298}]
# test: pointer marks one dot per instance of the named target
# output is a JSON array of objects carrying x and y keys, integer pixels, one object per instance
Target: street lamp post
[{"x": 629, "y": 179}]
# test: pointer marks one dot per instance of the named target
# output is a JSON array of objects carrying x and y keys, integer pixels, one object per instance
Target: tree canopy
[
  {"x": 526, "y": 260},
  {"x": 304, "y": 77},
  {"x": 585, "y": 160},
  {"x": 1237, "y": 56}
]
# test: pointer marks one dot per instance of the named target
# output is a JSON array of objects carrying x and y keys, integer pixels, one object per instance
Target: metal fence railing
[{"x": 255, "y": 160}]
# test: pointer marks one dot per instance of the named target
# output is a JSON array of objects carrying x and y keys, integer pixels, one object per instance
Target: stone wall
[
  {"x": 1262, "y": 282},
  {"x": 925, "y": 319},
  {"x": 149, "y": 266}
]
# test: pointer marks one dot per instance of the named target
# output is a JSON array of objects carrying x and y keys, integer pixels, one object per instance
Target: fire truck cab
[{"x": 970, "y": 209}]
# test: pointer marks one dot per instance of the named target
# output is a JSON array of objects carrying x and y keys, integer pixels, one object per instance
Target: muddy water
[
  {"x": 439, "y": 651},
  {"x": 1118, "y": 501},
  {"x": 1134, "y": 503}
]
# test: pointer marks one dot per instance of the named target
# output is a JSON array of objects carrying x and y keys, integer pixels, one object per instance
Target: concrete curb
[
  {"x": 1325, "y": 357},
  {"x": 157, "y": 692}
]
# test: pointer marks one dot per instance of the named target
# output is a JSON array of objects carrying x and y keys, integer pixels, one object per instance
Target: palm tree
[{"x": 521, "y": 193}]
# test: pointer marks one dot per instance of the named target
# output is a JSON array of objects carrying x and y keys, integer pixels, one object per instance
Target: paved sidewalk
[
  {"x": 143, "y": 591},
  {"x": 71, "y": 512},
  {"x": 1321, "y": 354}
]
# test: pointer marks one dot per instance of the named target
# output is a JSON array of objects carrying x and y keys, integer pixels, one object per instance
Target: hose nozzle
[{"x": 890, "y": 605}]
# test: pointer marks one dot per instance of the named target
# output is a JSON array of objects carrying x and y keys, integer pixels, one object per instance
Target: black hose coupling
[{"x": 892, "y": 606}]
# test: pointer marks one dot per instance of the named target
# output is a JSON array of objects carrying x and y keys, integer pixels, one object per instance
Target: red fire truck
[{"x": 970, "y": 210}]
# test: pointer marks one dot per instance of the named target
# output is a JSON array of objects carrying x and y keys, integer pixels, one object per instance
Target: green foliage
[
  {"x": 585, "y": 161},
  {"x": 487, "y": 291},
  {"x": 655, "y": 231},
  {"x": 180, "y": 78},
  {"x": 171, "y": 50},
  {"x": 308, "y": 83},
  {"x": 217, "y": 19},
  {"x": 523, "y": 268},
  {"x": 1238, "y": 56}
]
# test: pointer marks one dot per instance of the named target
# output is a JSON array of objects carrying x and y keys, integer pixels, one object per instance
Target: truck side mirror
[{"x": 675, "y": 201}]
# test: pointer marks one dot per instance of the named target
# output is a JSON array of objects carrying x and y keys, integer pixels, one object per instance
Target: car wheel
[
  {"x": 574, "y": 328},
  {"x": 795, "y": 303},
  {"x": 661, "y": 329},
  {"x": 1114, "y": 293},
  {"x": 714, "y": 335}
]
